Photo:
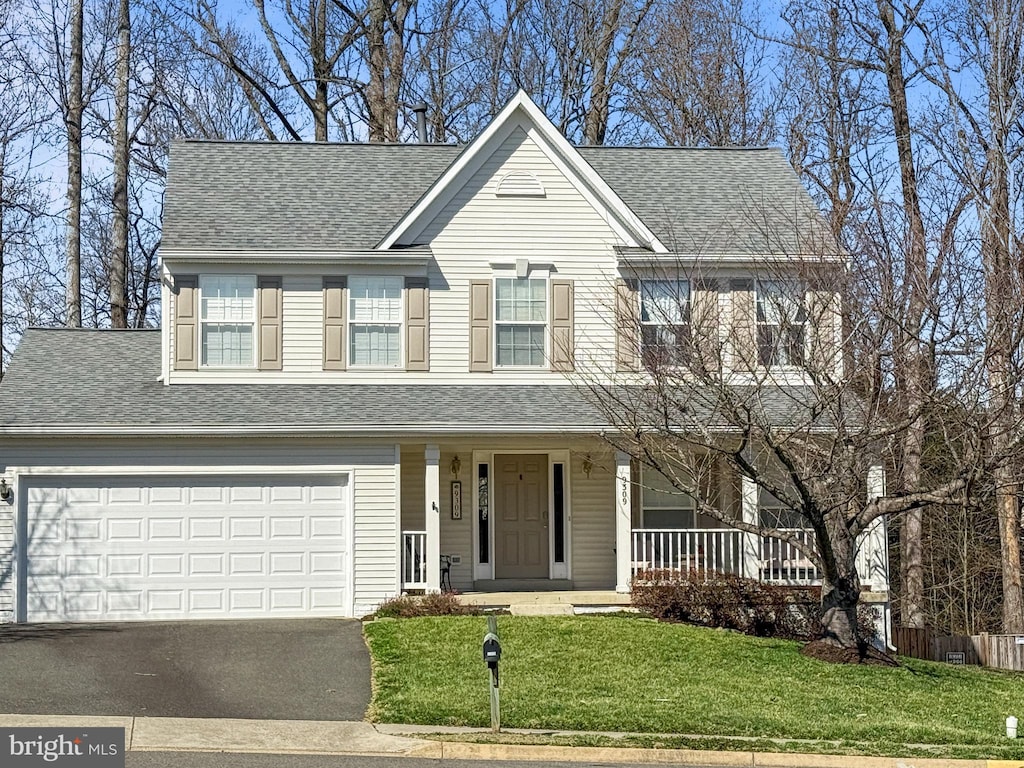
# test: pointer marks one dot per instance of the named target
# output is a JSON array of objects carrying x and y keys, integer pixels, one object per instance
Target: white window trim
[
  {"x": 652, "y": 324},
  {"x": 350, "y": 323},
  {"x": 534, "y": 274},
  {"x": 202, "y": 321},
  {"x": 799, "y": 289}
]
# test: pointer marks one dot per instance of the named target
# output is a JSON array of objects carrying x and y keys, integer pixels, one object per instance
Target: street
[{"x": 224, "y": 760}]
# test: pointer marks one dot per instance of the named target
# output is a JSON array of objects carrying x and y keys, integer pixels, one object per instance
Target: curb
[{"x": 306, "y": 737}]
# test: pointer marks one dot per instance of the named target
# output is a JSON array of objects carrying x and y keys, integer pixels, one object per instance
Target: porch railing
[
  {"x": 721, "y": 550},
  {"x": 679, "y": 551},
  {"x": 414, "y": 560},
  {"x": 782, "y": 563}
]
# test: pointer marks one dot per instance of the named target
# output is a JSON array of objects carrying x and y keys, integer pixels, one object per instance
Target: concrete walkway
[{"x": 172, "y": 734}]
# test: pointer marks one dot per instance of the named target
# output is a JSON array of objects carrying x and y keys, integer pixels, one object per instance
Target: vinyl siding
[
  {"x": 303, "y": 323},
  {"x": 6, "y": 562},
  {"x": 593, "y": 523},
  {"x": 374, "y": 484},
  {"x": 477, "y": 228}
]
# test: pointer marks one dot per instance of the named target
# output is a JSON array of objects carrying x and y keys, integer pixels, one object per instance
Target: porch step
[
  {"x": 522, "y": 585},
  {"x": 541, "y": 609}
]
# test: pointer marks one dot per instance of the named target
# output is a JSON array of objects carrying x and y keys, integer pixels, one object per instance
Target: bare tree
[
  {"x": 702, "y": 76},
  {"x": 983, "y": 143}
]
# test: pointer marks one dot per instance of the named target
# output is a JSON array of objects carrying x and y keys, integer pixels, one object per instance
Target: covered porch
[{"x": 536, "y": 514}]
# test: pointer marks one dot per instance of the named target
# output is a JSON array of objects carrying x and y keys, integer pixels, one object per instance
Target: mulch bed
[{"x": 823, "y": 650}]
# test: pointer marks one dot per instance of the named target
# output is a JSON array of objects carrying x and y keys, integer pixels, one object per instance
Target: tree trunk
[
  {"x": 73, "y": 122},
  {"x": 119, "y": 245},
  {"x": 3, "y": 157},
  {"x": 1001, "y": 308},
  {"x": 377, "y": 65},
  {"x": 840, "y": 585},
  {"x": 914, "y": 373}
]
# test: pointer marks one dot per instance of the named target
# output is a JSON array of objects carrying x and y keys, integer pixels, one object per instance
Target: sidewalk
[{"x": 171, "y": 734}]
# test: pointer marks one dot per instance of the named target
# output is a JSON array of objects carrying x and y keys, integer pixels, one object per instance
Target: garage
[{"x": 131, "y": 548}]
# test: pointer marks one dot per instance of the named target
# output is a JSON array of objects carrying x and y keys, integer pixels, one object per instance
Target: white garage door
[{"x": 131, "y": 548}]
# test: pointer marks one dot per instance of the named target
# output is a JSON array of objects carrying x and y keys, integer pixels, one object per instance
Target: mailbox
[{"x": 492, "y": 648}]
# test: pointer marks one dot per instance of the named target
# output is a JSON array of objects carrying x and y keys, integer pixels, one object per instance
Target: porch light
[
  {"x": 5, "y": 490},
  {"x": 456, "y": 465},
  {"x": 588, "y": 465}
]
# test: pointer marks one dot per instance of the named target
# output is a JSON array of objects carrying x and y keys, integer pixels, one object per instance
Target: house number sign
[{"x": 456, "y": 499}]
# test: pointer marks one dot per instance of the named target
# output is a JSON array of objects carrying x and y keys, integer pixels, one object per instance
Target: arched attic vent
[{"x": 519, "y": 184}]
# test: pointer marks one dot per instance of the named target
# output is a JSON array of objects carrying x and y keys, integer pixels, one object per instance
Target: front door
[{"x": 521, "y": 534}]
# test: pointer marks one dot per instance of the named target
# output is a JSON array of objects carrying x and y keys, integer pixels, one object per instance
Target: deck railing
[
  {"x": 722, "y": 550},
  {"x": 414, "y": 560}
]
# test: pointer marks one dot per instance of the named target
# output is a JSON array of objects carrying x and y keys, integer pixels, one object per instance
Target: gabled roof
[
  {"x": 322, "y": 197},
  {"x": 521, "y": 112}
]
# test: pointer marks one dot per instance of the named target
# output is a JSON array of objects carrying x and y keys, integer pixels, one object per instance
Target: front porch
[{"x": 536, "y": 515}]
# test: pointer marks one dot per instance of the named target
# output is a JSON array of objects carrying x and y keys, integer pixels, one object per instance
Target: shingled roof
[
  {"x": 329, "y": 197},
  {"x": 113, "y": 386}
]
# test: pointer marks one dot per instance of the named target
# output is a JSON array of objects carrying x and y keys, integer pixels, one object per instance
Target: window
[
  {"x": 663, "y": 506},
  {"x": 227, "y": 316},
  {"x": 664, "y": 322},
  {"x": 781, "y": 324},
  {"x": 520, "y": 321},
  {"x": 772, "y": 513},
  {"x": 375, "y": 321}
]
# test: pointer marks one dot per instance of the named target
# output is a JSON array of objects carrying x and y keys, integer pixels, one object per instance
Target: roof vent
[
  {"x": 519, "y": 184},
  {"x": 420, "y": 108}
]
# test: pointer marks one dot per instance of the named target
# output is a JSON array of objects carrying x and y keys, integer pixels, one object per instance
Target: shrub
[
  {"x": 431, "y": 604},
  {"x": 727, "y": 601}
]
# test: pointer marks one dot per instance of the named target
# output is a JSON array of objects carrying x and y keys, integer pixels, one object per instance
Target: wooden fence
[{"x": 998, "y": 651}]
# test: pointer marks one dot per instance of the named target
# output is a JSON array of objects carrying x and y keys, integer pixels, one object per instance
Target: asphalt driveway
[{"x": 306, "y": 669}]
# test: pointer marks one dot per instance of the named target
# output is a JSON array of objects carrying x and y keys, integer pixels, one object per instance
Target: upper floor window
[
  {"x": 781, "y": 324},
  {"x": 227, "y": 318},
  {"x": 520, "y": 321},
  {"x": 664, "y": 322},
  {"x": 375, "y": 321}
]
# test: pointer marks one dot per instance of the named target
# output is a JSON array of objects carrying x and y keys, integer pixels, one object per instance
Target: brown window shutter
[
  {"x": 417, "y": 324},
  {"x": 627, "y": 326},
  {"x": 480, "y": 329},
  {"x": 744, "y": 325},
  {"x": 334, "y": 323},
  {"x": 186, "y": 323},
  {"x": 823, "y": 316},
  {"x": 704, "y": 325},
  {"x": 563, "y": 354},
  {"x": 270, "y": 322}
]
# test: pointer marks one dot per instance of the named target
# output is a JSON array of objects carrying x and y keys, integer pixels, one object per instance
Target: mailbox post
[{"x": 492, "y": 655}]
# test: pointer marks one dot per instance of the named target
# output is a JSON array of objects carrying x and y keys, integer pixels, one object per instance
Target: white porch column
[
  {"x": 623, "y": 522},
  {"x": 432, "y": 515},
  {"x": 873, "y": 563},
  {"x": 751, "y": 543}
]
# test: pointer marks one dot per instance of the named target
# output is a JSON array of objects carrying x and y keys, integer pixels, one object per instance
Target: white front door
[{"x": 184, "y": 547}]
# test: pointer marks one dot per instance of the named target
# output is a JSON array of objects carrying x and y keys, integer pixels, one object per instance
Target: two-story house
[{"x": 371, "y": 356}]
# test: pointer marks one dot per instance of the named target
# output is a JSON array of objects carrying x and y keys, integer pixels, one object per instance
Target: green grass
[{"x": 627, "y": 674}]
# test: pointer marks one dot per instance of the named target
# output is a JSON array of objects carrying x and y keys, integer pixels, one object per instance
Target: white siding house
[{"x": 371, "y": 363}]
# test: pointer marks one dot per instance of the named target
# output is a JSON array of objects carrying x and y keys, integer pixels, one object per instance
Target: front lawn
[{"x": 629, "y": 674}]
